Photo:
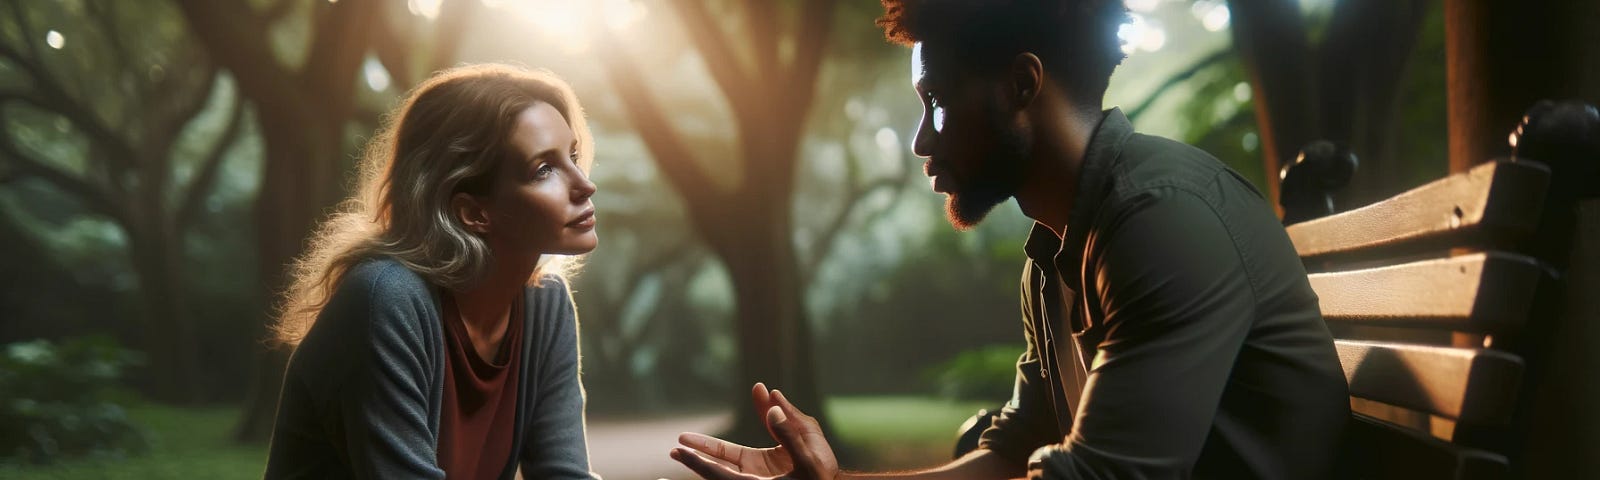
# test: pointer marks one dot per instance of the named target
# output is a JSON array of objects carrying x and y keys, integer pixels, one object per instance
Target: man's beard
[{"x": 997, "y": 178}]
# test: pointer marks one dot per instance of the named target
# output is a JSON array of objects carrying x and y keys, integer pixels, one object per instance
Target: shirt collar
[{"x": 1105, "y": 146}]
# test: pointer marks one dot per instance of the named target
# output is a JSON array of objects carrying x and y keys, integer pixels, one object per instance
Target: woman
[{"x": 434, "y": 335}]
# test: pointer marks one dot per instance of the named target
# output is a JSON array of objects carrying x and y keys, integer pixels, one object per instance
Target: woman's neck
[{"x": 485, "y": 308}]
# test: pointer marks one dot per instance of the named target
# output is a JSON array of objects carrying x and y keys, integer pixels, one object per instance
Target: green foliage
[
  {"x": 186, "y": 443},
  {"x": 898, "y": 432},
  {"x": 983, "y": 374},
  {"x": 60, "y": 401}
]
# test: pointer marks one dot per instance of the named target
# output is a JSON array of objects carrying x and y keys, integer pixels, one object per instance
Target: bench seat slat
[
  {"x": 1470, "y": 385},
  {"x": 1496, "y": 198},
  {"x": 1487, "y": 292}
]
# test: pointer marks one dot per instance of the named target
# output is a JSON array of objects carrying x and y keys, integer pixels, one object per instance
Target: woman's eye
[{"x": 543, "y": 171}]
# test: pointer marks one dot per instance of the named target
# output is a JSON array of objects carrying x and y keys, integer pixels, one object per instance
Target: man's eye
[{"x": 938, "y": 117}]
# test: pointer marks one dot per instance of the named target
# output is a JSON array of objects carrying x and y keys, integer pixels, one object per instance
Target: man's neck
[{"x": 1060, "y": 139}]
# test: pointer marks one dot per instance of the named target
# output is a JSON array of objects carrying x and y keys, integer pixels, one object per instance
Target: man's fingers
[
  {"x": 705, "y": 467},
  {"x": 789, "y": 431},
  {"x": 715, "y": 447},
  {"x": 788, "y": 408},
  {"x": 762, "y": 398}
]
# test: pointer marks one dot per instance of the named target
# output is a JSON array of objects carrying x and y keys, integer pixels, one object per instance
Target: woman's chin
[{"x": 579, "y": 246}]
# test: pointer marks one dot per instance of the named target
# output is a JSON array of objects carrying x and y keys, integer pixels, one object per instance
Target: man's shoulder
[{"x": 1150, "y": 165}]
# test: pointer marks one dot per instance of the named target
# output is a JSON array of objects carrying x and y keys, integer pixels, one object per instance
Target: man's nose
[{"x": 922, "y": 143}]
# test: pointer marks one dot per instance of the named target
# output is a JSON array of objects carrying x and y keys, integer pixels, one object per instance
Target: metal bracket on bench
[{"x": 1308, "y": 183}]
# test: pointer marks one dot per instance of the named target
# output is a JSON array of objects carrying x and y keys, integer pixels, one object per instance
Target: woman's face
[{"x": 539, "y": 203}]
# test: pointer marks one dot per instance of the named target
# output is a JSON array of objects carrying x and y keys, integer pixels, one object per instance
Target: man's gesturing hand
[{"x": 802, "y": 452}]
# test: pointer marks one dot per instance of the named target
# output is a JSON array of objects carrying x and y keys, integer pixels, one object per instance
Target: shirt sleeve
[
  {"x": 1027, "y": 421},
  {"x": 1177, "y": 305},
  {"x": 555, "y": 446},
  {"x": 382, "y": 405}
]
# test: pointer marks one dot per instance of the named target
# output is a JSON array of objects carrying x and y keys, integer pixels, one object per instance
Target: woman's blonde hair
[{"x": 448, "y": 136}]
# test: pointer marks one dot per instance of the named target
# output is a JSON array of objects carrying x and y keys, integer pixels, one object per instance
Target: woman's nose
[{"x": 583, "y": 188}]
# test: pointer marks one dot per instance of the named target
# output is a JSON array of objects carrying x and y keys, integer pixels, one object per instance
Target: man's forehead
[
  {"x": 919, "y": 67},
  {"x": 930, "y": 66}
]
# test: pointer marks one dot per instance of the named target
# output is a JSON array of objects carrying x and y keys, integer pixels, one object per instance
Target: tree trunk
[
  {"x": 1362, "y": 65},
  {"x": 299, "y": 182},
  {"x": 1344, "y": 89},
  {"x": 773, "y": 333},
  {"x": 1503, "y": 57},
  {"x": 1270, "y": 38},
  {"x": 168, "y": 334}
]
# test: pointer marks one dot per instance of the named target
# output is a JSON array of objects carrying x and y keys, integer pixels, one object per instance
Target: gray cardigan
[{"x": 362, "y": 394}]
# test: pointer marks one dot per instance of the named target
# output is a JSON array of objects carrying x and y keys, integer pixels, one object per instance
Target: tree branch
[
  {"x": 720, "y": 59},
  {"x": 238, "y": 43},
  {"x": 761, "y": 21},
  {"x": 105, "y": 17},
  {"x": 174, "y": 114},
  {"x": 393, "y": 51},
  {"x": 811, "y": 39},
  {"x": 277, "y": 11},
  {"x": 664, "y": 142},
  {"x": 25, "y": 29},
  {"x": 824, "y": 242},
  {"x": 1178, "y": 79},
  {"x": 53, "y": 99},
  {"x": 200, "y": 185},
  {"x": 93, "y": 196},
  {"x": 338, "y": 44},
  {"x": 454, "y": 15}
]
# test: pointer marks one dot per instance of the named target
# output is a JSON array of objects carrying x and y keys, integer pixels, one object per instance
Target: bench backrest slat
[
  {"x": 1386, "y": 452},
  {"x": 1471, "y": 385},
  {"x": 1491, "y": 201},
  {"x": 1486, "y": 292}
]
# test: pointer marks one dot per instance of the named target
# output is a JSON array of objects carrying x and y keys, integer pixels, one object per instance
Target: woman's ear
[
  {"x": 471, "y": 212},
  {"x": 1027, "y": 77}
]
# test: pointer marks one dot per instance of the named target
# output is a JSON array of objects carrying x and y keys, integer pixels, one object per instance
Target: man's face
[{"x": 977, "y": 152}]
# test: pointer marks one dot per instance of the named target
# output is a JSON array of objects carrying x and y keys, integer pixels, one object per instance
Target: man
[{"x": 1171, "y": 330}]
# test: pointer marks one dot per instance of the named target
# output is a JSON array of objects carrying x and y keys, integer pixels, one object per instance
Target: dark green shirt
[{"x": 1172, "y": 332}]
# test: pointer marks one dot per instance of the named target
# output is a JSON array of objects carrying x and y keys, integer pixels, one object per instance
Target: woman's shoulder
[
  {"x": 379, "y": 295},
  {"x": 384, "y": 277}
]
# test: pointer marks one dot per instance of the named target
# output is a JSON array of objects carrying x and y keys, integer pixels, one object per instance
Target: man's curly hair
[{"x": 1076, "y": 40}]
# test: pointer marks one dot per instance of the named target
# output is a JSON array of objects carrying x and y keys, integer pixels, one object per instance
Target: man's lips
[
  {"x": 585, "y": 220},
  {"x": 933, "y": 174}
]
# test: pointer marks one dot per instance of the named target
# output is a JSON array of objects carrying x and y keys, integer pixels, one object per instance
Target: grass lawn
[
  {"x": 890, "y": 432},
  {"x": 185, "y": 443},
  {"x": 900, "y": 432}
]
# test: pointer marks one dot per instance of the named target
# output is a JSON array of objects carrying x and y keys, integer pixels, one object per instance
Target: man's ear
[
  {"x": 471, "y": 212},
  {"x": 1026, "y": 77}
]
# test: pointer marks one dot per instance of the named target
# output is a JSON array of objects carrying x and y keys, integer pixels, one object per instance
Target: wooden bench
[{"x": 1464, "y": 310}]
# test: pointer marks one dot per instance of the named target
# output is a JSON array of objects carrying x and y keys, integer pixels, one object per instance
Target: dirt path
[{"x": 637, "y": 449}]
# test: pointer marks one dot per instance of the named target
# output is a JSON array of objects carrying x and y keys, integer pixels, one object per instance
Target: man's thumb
[{"x": 775, "y": 416}]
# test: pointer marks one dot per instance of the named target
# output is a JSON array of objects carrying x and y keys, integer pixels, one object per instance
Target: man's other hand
[{"x": 802, "y": 452}]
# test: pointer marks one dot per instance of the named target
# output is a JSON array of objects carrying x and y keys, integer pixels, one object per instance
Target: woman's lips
[{"x": 585, "y": 220}]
